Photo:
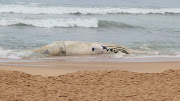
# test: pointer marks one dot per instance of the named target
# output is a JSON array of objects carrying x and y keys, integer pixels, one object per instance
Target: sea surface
[{"x": 151, "y": 26}]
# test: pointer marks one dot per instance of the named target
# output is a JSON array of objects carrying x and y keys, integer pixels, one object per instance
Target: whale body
[{"x": 68, "y": 48}]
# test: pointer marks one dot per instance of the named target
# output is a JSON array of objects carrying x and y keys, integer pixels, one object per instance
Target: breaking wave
[
  {"x": 49, "y": 23},
  {"x": 47, "y": 9},
  {"x": 19, "y": 54},
  {"x": 114, "y": 24},
  {"x": 13, "y": 54}
]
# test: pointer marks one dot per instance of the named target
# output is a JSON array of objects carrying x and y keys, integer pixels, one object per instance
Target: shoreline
[
  {"x": 96, "y": 58},
  {"x": 60, "y": 67}
]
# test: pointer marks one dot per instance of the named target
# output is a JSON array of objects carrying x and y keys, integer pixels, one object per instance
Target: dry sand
[
  {"x": 91, "y": 86},
  {"x": 100, "y": 81}
]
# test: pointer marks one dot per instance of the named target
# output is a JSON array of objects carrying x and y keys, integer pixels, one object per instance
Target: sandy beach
[
  {"x": 89, "y": 81},
  {"x": 89, "y": 50}
]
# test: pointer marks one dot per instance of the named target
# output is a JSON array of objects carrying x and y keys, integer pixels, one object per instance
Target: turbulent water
[{"x": 152, "y": 27}]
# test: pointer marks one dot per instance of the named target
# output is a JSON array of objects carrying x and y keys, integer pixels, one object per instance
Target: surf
[
  {"x": 60, "y": 9},
  {"x": 49, "y": 23}
]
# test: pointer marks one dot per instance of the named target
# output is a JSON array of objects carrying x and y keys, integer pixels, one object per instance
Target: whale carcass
[{"x": 68, "y": 48}]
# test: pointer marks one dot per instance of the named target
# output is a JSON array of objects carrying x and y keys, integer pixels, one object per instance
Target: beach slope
[{"x": 111, "y": 85}]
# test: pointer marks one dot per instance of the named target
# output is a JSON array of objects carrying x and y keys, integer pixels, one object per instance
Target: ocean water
[{"x": 152, "y": 27}]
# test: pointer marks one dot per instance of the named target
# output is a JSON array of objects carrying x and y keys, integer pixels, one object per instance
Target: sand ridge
[{"x": 91, "y": 86}]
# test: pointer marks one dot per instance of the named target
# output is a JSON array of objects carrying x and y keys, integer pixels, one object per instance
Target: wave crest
[
  {"x": 46, "y": 9},
  {"x": 114, "y": 24},
  {"x": 49, "y": 23},
  {"x": 66, "y": 23}
]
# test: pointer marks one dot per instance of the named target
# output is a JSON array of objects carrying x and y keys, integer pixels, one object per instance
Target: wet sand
[
  {"x": 90, "y": 81},
  {"x": 55, "y": 68}
]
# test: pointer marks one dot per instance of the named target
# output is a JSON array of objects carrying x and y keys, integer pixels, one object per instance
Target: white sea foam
[
  {"x": 13, "y": 54},
  {"x": 48, "y": 23},
  {"x": 45, "y": 9},
  {"x": 145, "y": 47}
]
